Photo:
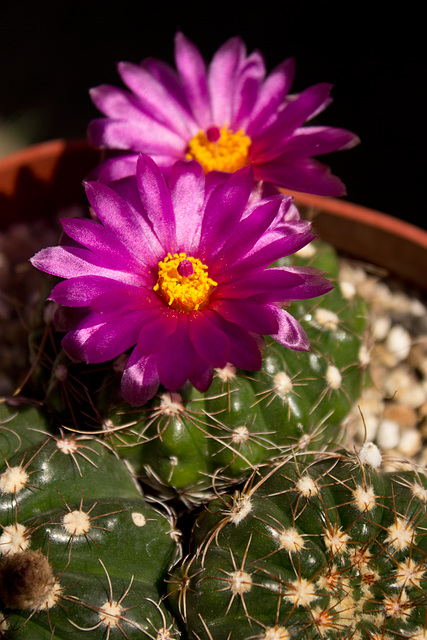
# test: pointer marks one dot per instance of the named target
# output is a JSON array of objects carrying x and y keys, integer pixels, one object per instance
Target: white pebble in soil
[
  {"x": 388, "y": 434},
  {"x": 410, "y": 443},
  {"x": 404, "y": 387},
  {"x": 398, "y": 342},
  {"x": 380, "y": 327}
]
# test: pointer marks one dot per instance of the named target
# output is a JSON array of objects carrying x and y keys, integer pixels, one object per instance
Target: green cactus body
[
  {"x": 82, "y": 552},
  {"x": 21, "y": 426},
  {"x": 334, "y": 549},
  {"x": 245, "y": 418}
]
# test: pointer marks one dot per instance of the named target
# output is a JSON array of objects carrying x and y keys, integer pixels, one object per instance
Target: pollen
[
  {"x": 13, "y": 480},
  {"x": 220, "y": 149},
  {"x": 180, "y": 291}
]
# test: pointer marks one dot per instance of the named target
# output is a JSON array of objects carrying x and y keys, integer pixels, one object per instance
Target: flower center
[
  {"x": 220, "y": 149},
  {"x": 183, "y": 282}
]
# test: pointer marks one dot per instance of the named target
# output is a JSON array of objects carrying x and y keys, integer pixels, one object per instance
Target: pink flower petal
[
  {"x": 100, "y": 337},
  {"x": 115, "y": 213},
  {"x": 192, "y": 70},
  {"x": 154, "y": 334},
  {"x": 175, "y": 360},
  {"x": 222, "y": 79},
  {"x": 290, "y": 333},
  {"x": 211, "y": 343},
  {"x": 187, "y": 185},
  {"x": 140, "y": 380},
  {"x": 157, "y": 203},
  {"x": 158, "y": 98},
  {"x": 81, "y": 291},
  {"x": 165, "y": 109}
]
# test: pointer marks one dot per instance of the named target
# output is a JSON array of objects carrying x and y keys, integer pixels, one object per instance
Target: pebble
[
  {"x": 398, "y": 342},
  {"x": 380, "y": 327},
  {"x": 410, "y": 443},
  {"x": 414, "y": 396},
  {"x": 388, "y": 434},
  {"x": 394, "y": 405},
  {"x": 365, "y": 418},
  {"x": 401, "y": 414}
]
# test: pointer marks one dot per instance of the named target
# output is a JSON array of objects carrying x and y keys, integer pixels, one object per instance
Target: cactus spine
[
  {"x": 245, "y": 418},
  {"x": 332, "y": 549},
  {"x": 82, "y": 552}
]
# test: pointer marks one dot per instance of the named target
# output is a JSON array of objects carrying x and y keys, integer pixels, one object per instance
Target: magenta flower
[
  {"x": 180, "y": 273},
  {"x": 225, "y": 116}
]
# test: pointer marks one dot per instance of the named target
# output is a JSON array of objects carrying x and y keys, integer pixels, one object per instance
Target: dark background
[{"x": 52, "y": 52}]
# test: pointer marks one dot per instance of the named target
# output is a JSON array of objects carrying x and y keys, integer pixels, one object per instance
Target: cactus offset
[
  {"x": 82, "y": 553},
  {"x": 329, "y": 549}
]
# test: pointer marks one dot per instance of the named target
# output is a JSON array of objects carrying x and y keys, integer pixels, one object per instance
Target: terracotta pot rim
[
  {"x": 50, "y": 174},
  {"x": 344, "y": 208},
  {"x": 369, "y": 217},
  {"x": 42, "y": 150}
]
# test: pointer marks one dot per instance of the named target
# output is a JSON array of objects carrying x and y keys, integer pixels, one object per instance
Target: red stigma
[
  {"x": 213, "y": 134},
  {"x": 185, "y": 268}
]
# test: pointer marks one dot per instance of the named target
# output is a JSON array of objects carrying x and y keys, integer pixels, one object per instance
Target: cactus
[
  {"x": 299, "y": 399},
  {"x": 181, "y": 440},
  {"x": 21, "y": 426},
  {"x": 82, "y": 552},
  {"x": 334, "y": 549}
]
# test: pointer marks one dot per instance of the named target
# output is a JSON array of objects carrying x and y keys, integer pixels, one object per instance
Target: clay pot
[
  {"x": 388, "y": 242},
  {"x": 40, "y": 179}
]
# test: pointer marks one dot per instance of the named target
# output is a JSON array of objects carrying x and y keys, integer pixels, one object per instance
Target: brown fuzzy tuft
[{"x": 26, "y": 580}]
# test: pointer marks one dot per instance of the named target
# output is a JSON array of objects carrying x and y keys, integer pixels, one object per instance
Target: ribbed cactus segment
[
  {"x": 245, "y": 418},
  {"x": 334, "y": 549},
  {"x": 20, "y": 427},
  {"x": 82, "y": 554}
]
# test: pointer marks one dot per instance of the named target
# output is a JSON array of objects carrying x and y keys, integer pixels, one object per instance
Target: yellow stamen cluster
[
  {"x": 228, "y": 153},
  {"x": 180, "y": 292}
]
